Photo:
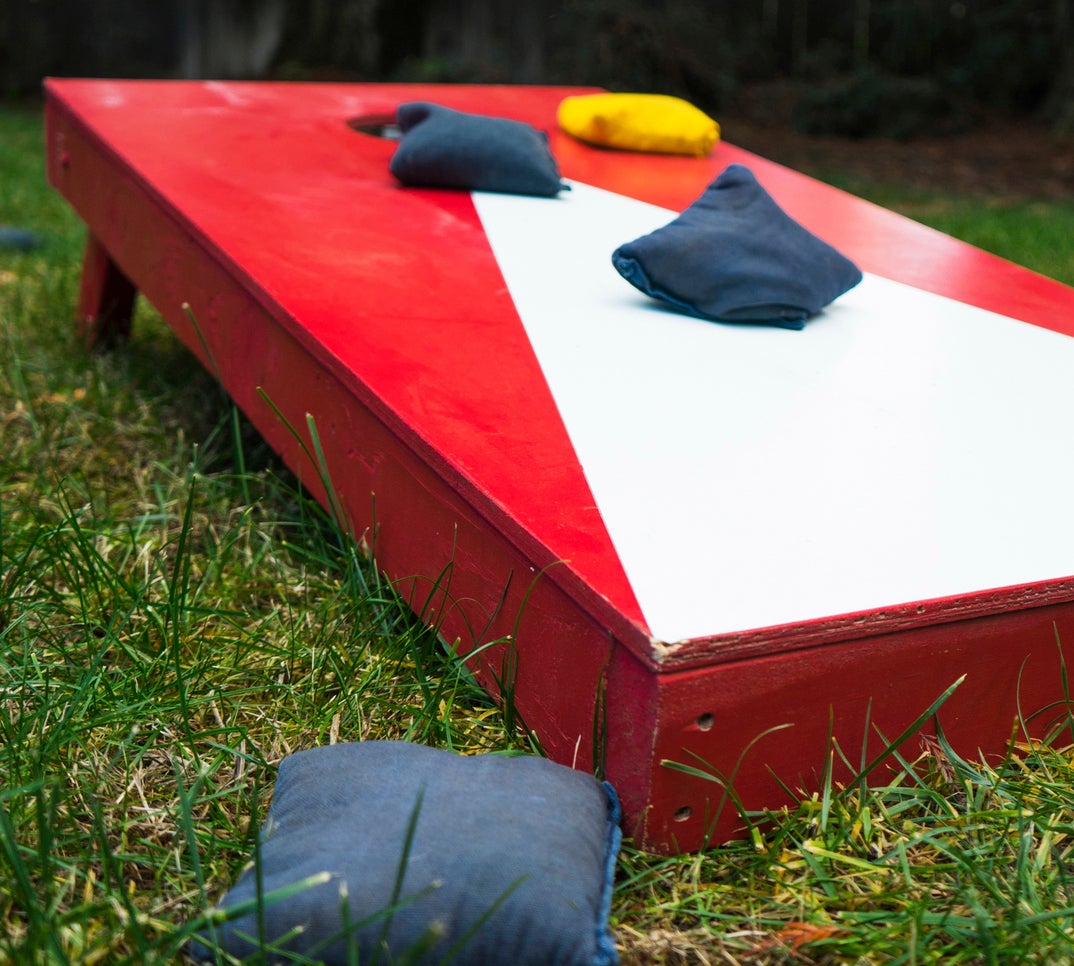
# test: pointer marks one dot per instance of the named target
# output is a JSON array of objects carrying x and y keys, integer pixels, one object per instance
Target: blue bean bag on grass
[
  {"x": 388, "y": 850},
  {"x": 18, "y": 239}
]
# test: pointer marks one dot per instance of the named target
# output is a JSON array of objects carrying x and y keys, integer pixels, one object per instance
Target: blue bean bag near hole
[
  {"x": 486, "y": 859},
  {"x": 735, "y": 256},
  {"x": 442, "y": 148}
]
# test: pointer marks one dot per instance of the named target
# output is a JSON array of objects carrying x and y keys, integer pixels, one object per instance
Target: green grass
[{"x": 175, "y": 616}]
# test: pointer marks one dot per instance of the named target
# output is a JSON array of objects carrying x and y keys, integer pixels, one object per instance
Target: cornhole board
[{"x": 676, "y": 543}]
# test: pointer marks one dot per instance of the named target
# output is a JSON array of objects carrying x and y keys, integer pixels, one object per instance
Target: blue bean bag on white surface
[{"x": 735, "y": 256}]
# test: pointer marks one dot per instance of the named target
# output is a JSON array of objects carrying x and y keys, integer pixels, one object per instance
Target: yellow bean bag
[{"x": 639, "y": 122}]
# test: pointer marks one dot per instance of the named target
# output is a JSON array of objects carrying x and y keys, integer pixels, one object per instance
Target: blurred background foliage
[{"x": 852, "y": 67}]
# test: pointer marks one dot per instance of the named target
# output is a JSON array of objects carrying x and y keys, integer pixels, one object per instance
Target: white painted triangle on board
[{"x": 903, "y": 447}]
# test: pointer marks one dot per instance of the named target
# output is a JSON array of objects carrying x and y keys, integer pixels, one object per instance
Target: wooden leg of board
[{"x": 105, "y": 300}]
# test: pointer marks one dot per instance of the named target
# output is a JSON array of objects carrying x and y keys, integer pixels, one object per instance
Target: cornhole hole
[{"x": 695, "y": 544}]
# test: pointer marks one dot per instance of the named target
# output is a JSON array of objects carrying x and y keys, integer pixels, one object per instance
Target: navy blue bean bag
[
  {"x": 401, "y": 850},
  {"x": 18, "y": 239},
  {"x": 442, "y": 148},
  {"x": 735, "y": 256}
]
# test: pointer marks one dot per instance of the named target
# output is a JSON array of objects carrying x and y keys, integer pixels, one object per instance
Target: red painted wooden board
[{"x": 699, "y": 544}]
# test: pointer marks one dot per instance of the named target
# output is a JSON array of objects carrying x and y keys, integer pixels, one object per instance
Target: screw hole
[
  {"x": 706, "y": 721},
  {"x": 683, "y": 813}
]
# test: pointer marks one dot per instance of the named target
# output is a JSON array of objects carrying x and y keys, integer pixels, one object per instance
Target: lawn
[{"x": 176, "y": 616}]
